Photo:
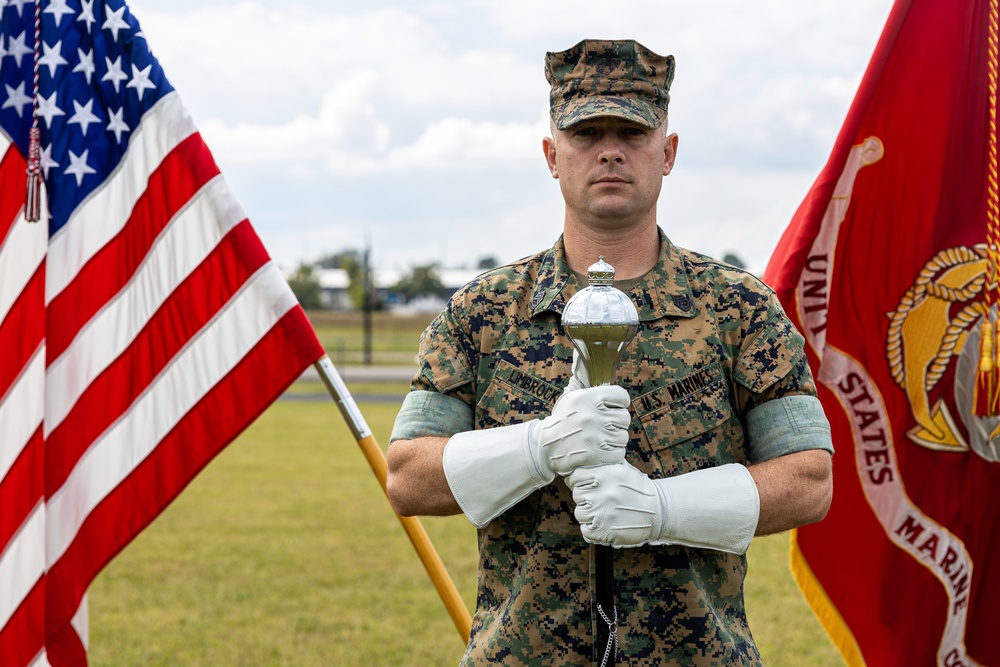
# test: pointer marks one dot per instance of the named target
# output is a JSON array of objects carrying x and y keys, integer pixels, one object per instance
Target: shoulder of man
[
  {"x": 713, "y": 277},
  {"x": 510, "y": 283},
  {"x": 451, "y": 344},
  {"x": 749, "y": 316},
  {"x": 769, "y": 351}
]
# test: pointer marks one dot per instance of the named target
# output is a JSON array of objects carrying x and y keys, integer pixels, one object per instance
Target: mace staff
[{"x": 600, "y": 320}]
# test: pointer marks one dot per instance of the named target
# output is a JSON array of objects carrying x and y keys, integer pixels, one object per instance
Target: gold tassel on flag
[
  {"x": 994, "y": 407},
  {"x": 33, "y": 198},
  {"x": 986, "y": 393}
]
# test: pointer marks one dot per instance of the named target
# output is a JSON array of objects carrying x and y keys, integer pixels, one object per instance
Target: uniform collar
[{"x": 664, "y": 292}]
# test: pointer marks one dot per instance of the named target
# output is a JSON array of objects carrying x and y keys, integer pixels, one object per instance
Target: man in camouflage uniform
[{"x": 714, "y": 435}]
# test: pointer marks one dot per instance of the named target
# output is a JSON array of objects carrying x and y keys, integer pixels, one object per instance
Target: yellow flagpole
[{"x": 414, "y": 529}]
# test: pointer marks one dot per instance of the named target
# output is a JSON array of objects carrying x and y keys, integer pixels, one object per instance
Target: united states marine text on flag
[
  {"x": 142, "y": 323},
  {"x": 887, "y": 270}
]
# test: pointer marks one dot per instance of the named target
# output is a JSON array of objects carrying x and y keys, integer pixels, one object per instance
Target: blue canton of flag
[{"x": 97, "y": 77}]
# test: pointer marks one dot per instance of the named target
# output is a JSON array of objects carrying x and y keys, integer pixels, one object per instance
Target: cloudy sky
[{"x": 415, "y": 127}]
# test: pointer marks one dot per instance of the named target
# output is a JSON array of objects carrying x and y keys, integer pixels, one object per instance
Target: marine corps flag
[{"x": 889, "y": 270}]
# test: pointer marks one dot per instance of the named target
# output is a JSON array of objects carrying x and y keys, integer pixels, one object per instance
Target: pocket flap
[
  {"x": 685, "y": 407},
  {"x": 514, "y": 396}
]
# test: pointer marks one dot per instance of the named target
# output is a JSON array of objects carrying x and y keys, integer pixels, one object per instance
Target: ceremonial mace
[{"x": 600, "y": 320}]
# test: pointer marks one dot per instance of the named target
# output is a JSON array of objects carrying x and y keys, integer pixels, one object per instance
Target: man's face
[{"x": 610, "y": 170}]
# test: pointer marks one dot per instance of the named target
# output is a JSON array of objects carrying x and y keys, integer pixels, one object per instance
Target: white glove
[
  {"x": 587, "y": 427},
  {"x": 490, "y": 470},
  {"x": 714, "y": 508}
]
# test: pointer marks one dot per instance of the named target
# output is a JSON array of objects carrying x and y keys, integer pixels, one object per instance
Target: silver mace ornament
[{"x": 600, "y": 320}]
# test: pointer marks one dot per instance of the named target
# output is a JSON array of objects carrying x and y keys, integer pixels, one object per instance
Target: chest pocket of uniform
[
  {"x": 513, "y": 397},
  {"x": 684, "y": 409}
]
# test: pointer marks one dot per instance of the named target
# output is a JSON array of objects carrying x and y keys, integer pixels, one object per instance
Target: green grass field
[
  {"x": 284, "y": 551},
  {"x": 393, "y": 341}
]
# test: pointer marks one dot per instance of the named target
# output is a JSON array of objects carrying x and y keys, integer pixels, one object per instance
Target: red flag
[
  {"x": 883, "y": 268},
  {"x": 142, "y": 326}
]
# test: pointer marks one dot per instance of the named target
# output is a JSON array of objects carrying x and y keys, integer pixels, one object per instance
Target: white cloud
[
  {"x": 409, "y": 121},
  {"x": 305, "y": 85},
  {"x": 350, "y": 139},
  {"x": 284, "y": 58},
  {"x": 774, "y": 29},
  {"x": 721, "y": 210},
  {"x": 337, "y": 129},
  {"x": 457, "y": 141}
]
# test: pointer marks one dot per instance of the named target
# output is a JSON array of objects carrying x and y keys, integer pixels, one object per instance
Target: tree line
[{"x": 419, "y": 281}]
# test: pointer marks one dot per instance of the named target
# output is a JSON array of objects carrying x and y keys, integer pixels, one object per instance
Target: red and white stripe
[
  {"x": 22, "y": 414},
  {"x": 137, "y": 342}
]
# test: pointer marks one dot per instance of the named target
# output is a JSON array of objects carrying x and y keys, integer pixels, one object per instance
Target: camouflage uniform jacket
[{"x": 713, "y": 342}]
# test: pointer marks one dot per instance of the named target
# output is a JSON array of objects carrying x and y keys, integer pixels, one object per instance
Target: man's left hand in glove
[{"x": 713, "y": 508}]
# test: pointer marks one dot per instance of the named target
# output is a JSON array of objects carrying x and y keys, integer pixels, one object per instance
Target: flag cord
[
  {"x": 986, "y": 393},
  {"x": 33, "y": 198},
  {"x": 414, "y": 529}
]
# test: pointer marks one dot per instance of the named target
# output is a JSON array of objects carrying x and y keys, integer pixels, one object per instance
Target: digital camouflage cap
[{"x": 608, "y": 78}]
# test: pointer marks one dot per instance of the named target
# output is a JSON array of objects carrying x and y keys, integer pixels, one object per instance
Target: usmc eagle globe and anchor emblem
[{"x": 934, "y": 333}]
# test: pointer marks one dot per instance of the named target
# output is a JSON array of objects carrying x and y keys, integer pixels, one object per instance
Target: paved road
[{"x": 358, "y": 375}]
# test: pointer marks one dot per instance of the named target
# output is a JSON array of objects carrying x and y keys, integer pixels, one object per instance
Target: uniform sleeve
[
  {"x": 772, "y": 362},
  {"x": 445, "y": 359},
  {"x": 428, "y": 413},
  {"x": 777, "y": 393},
  {"x": 786, "y": 425},
  {"x": 443, "y": 391}
]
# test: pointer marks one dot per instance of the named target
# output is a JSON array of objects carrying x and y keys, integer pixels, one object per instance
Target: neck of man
[{"x": 632, "y": 250}]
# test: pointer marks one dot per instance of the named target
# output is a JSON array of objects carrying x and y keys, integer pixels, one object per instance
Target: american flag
[{"x": 142, "y": 323}]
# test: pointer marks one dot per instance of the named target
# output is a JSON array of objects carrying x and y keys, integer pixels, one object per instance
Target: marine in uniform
[{"x": 712, "y": 435}]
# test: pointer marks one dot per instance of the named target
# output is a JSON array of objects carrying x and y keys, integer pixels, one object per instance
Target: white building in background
[{"x": 333, "y": 285}]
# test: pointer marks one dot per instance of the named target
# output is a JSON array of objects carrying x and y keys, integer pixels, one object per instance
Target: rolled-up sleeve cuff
[
  {"x": 428, "y": 413},
  {"x": 787, "y": 425}
]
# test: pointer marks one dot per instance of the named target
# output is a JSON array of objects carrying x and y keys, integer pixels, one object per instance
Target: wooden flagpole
[{"x": 414, "y": 529}]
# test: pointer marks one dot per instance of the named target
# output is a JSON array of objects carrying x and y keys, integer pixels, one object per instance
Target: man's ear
[
  {"x": 669, "y": 153},
  {"x": 549, "y": 148}
]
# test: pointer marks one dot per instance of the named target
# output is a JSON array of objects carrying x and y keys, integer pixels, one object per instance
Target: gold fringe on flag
[
  {"x": 33, "y": 195},
  {"x": 986, "y": 393}
]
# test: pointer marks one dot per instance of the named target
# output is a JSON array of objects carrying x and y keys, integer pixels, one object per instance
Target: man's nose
[{"x": 611, "y": 151}]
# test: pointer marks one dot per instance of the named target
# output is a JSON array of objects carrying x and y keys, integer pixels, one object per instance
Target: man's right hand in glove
[{"x": 490, "y": 470}]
